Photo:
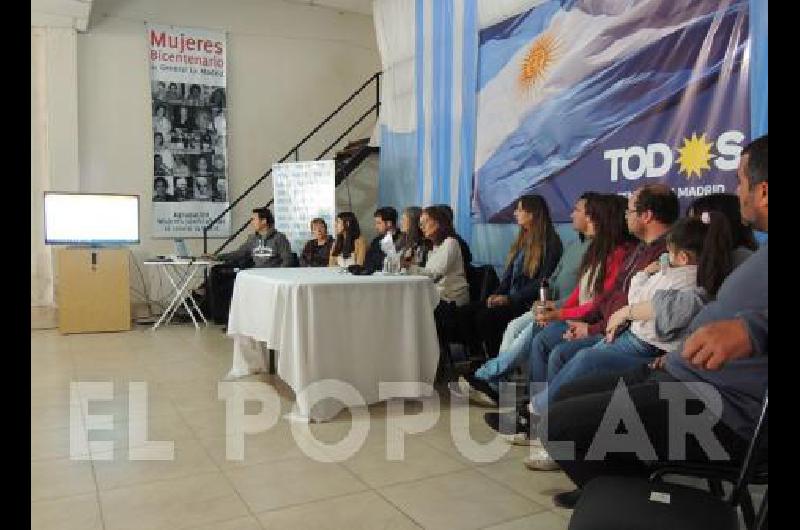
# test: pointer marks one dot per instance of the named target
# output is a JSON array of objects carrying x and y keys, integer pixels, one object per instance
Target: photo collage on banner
[{"x": 189, "y": 109}]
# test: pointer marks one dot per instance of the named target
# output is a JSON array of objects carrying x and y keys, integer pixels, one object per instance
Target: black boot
[
  {"x": 520, "y": 420},
  {"x": 567, "y": 499}
]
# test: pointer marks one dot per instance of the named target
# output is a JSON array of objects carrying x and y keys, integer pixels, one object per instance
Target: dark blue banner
[{"x": 597, "y": 97}]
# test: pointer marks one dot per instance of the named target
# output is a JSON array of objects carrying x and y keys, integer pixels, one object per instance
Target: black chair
[
  {"x": 482, "y": 282},
  {"x": 655, "y": 505},
  {"x": 715, "y": 475},
  {"x": 294, "y": 261}
]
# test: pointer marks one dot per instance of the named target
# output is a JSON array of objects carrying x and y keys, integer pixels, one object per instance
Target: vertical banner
[
  {"x": 190, "y": 156},
  {"x": 303, "y": 191}
]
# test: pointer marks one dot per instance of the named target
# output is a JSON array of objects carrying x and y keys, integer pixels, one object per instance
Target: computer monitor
[{"x": 90, "y": 219}]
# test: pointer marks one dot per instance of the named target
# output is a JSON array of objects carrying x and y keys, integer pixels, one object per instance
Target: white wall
[{"x": 288, "y": 66}]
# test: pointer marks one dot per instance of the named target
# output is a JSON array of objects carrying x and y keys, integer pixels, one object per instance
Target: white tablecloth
[{"x": 327, "y": 325}]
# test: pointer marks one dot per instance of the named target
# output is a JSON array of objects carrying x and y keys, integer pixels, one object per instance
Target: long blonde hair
[{"x": 533, "y": 242}]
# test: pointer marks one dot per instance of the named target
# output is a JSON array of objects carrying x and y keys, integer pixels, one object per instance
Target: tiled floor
[{"x": 276, "y": 485}]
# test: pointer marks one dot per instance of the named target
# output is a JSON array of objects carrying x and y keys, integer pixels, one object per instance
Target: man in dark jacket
[{"x": 385, "y": 223}]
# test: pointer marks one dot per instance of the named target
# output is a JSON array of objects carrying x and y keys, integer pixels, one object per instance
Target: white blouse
[{"x": 446, "y": 268}]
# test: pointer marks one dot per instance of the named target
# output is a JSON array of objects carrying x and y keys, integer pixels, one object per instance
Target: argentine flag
[{"x": 556, "y": 80}]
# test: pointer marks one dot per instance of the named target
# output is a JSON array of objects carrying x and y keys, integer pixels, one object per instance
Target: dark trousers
[
  {"x": 219, "y": 292},
  {"x": 446, "y": 317},
  {"x": 579, "y": 408},
  {"x": 480, "y": 325}
]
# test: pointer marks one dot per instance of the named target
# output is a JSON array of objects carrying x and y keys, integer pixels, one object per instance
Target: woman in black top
[{"x": 317, "y": 251}]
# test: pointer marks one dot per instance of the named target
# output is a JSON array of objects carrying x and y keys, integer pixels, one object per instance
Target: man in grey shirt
[
  {"x": 724, "y": 361},
  {"x": 266, "y": 247}
]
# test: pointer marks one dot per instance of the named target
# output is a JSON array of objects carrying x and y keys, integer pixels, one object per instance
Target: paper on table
[{"x": 387, "y": 245}]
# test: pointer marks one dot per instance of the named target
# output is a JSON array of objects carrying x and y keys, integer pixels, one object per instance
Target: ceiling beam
[{"x": 61, "y": 13}]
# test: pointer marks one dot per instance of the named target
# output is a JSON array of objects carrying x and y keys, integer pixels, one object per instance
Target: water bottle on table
[{"x": 663, "y": 261}]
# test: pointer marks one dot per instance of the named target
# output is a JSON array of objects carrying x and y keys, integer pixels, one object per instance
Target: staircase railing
[{"x": 376, "y": 78}]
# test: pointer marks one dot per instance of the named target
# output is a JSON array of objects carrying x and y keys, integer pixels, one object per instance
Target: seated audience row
[
  {"x": 600, "y": 220},
  {"x": 639, "y": 296},
  {"x": 689, "y": 307}
]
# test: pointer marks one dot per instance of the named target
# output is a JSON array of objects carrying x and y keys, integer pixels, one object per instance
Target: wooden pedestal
[{"x": 93, "y": 290}]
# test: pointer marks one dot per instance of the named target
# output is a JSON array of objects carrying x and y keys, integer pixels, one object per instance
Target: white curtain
[
  {"x": 395, "y": 29},
  {"x": 54, "y": 141},
  {"x": 41, "y": 259}
]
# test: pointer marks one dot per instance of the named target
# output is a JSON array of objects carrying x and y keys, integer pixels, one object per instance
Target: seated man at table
[
  {"x": 265, "y": 248},
  {"x": 385, "y": 224}
]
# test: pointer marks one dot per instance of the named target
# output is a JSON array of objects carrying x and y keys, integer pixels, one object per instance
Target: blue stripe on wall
[
  {"x": 442, "y": 116},
  {"x": 436, "y": 104},
  {"x": 446, "y": 102},
  {"x": 420, "y": 69},
  {"x": 469, "y": 115},
  {"x": 759, "y": 68}
]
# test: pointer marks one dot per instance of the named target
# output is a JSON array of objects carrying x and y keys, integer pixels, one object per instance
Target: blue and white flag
[{"x": 608, "y": 95}]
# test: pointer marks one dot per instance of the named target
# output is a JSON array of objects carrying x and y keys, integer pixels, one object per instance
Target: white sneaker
[
  {"x": 522, "y": 439},
  {"x": 539, "y": 460},
  {"x": 475, "y": 396},
  {"x": 459, "y": 388},
  {"x": 236, "y": 376}
]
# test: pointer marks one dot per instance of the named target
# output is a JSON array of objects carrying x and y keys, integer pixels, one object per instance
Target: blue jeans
[
  {"x": 496, "y": 370},
  {"x": 514, "y": 328},
  {"x": 550, "y": 346},
  {"x": 602, "y": 358},
  {"x": 563, "y": 353}
]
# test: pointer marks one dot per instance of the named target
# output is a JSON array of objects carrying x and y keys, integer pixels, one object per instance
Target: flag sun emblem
[
  {"x": 694, "y": 156},
  {"x": 537, "y": 60}
]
